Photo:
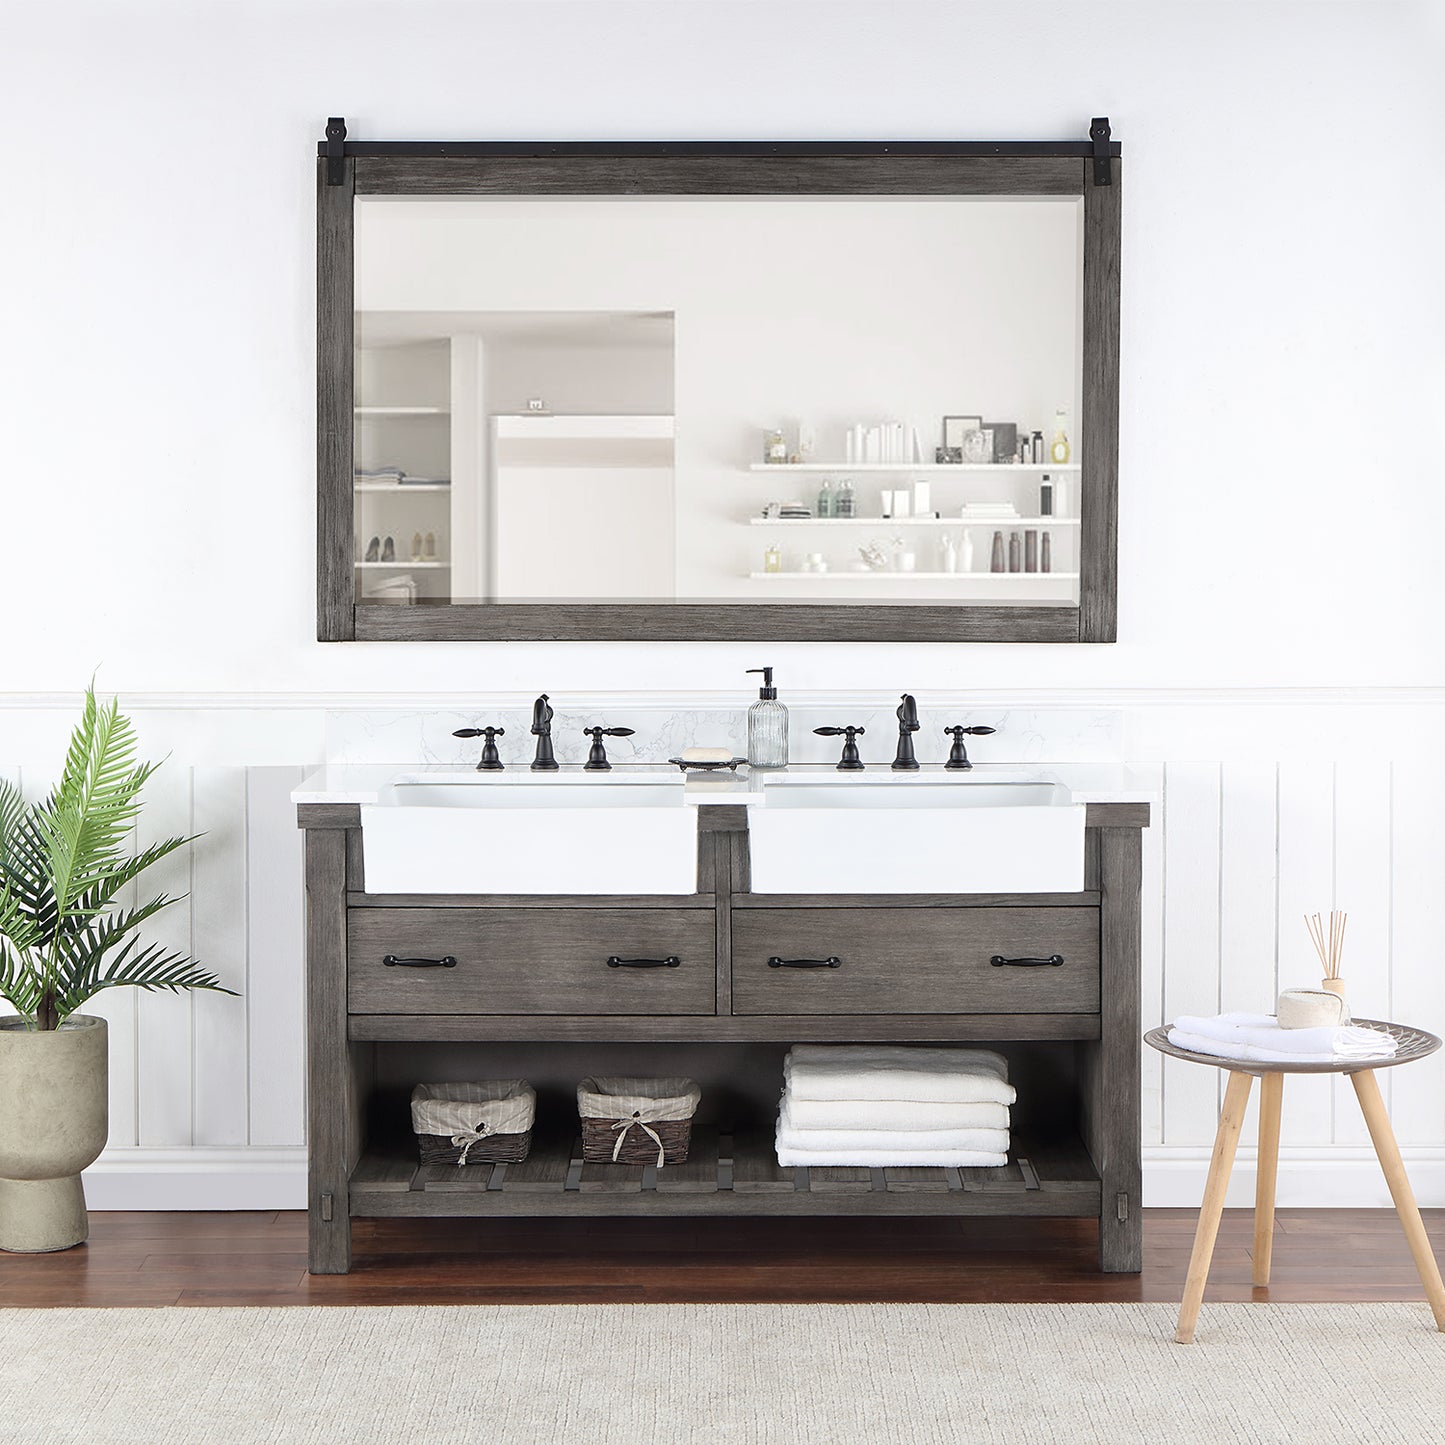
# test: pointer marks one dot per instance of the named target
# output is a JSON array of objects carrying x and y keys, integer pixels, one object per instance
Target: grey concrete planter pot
[{"x": 54, "y": 1118}]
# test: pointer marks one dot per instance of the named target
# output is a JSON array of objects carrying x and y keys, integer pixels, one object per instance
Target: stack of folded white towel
[
  {"x": 1258, "y": 1038},
  {"x": 890, "y": 1106}
]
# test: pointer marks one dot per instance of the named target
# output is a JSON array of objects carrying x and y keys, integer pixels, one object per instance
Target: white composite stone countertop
[{"x": 367, "y": 783}]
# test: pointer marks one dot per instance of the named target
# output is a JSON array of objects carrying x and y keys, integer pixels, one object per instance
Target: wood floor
[{"x": 260, "y": 1259}]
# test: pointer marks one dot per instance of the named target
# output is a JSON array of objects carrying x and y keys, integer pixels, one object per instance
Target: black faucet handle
[
  {"x": 491, "y": 759},
  {"x": 597, "y": 754},
  {"x": 850, "y": 762},
  {"x": 958, "y": 754}
]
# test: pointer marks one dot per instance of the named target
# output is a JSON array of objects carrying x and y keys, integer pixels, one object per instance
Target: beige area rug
[{"x": 669, "y": 1374}]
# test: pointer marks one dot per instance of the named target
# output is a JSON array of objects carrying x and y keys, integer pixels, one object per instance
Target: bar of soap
[{"x": 707, "y": 755}]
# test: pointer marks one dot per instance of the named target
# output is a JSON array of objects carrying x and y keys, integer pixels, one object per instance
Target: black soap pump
[{"x": 767, "y": 726}]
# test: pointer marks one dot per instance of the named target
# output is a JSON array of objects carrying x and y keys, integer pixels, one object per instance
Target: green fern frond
[{"x": 63, "y": 864}]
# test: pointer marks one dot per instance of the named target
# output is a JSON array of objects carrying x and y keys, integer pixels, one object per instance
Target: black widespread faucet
[
  {"x": 545, "y": 761},
  {"x": 908, "y": 724}
]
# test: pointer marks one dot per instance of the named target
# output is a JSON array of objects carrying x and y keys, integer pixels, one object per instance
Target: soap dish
[{"x": 687, "y": 763}]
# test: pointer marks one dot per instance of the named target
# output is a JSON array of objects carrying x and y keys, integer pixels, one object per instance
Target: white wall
[
  {"x": 1281, "y": 519},
  {"x": 1281, "y": 310}
]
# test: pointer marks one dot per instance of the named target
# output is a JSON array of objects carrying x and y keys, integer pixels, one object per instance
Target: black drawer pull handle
[
  {"x": 392, "y": 961},
  {"x": 671, "y": 961},
  {"x": 1054, "y": 960},
  {"x": 832, "y": 961}
]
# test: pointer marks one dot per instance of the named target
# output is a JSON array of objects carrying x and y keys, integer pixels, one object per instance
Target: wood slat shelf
[{"x": 726, "y": 1173}]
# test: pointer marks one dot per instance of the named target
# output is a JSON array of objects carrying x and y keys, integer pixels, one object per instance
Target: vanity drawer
[
  {"x": 915, "y": 960},
  {"x": 531, "y": 961}
]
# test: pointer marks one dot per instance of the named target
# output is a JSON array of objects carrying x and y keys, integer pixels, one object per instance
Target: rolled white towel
[
  {"x": 1262, "y": 1031},
  {"x": 1251, "y": 1053},
  {"x": 886, "y": 1071},
  {"x": 895, "y": 1115},
  {"x": 891, "y": 1141}
]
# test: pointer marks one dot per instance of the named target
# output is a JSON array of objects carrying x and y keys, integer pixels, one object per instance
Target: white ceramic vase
[{"x": 54, "y": 1118}]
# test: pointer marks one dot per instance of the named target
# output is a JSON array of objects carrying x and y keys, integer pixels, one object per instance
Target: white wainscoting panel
[
  {"x": 275, "y": 959},
  {"x": 165, "y": 1037},
  {"x": 208, "y": 1093}
]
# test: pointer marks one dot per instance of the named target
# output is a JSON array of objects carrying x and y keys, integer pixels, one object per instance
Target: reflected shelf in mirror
[
  {"x": 844, "y": 469},
  {"x": 852, "y": 576},
  {"x": 401, "y": 410},
  {"x": 997, "y": 522},
  {"x": 402, "y": 489}
]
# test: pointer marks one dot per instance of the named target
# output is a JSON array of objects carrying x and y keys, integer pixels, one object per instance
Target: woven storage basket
[
  {"x": 483, "y": 1123},
  {"x": 636, "y": 1121}
]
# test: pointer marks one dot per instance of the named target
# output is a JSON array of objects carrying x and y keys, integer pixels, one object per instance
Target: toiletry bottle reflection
[{"x": 1059, "y": 448}]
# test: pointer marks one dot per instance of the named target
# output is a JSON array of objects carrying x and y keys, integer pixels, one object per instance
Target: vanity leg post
[
  {"x": 1110, "y": 1075},
  {"x": 333, "y": 1086}
]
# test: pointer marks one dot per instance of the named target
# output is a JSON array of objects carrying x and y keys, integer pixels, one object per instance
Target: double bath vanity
[{"x": 466, "y": 924}]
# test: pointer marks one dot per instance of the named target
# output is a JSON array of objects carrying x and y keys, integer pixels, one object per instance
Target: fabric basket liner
[
  {"x": 648, "y": 1100},
  {"x": 490, "y": 1106}
]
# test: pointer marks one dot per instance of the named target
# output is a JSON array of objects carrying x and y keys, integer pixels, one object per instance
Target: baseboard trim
[
  {"x": 1340, "y": 1177},
  {"x": 275, "y": 1178},
  {"x": 198, "y": 1179}
]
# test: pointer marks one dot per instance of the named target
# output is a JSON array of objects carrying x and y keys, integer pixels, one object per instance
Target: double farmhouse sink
[{"x": 632, "y": 831}]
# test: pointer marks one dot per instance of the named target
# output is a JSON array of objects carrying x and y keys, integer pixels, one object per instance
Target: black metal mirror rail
[{"x": 1087, "y": 169}]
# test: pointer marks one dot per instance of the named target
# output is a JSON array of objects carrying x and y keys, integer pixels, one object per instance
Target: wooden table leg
[
  {"x": 1226, "y": 1141},
  {"x": 1271, "y": 1093},
  {"x": 1367, "y": 1090}
]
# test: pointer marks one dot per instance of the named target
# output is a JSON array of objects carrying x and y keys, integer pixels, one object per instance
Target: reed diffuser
[{"x": 1330, "y": 945}]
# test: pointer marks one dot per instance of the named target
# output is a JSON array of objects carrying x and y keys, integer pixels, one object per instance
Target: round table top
[{"x": 1410, "y": 1044}]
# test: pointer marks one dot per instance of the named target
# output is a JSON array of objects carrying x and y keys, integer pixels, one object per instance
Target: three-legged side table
[{"x": 1411, "y": 1044}]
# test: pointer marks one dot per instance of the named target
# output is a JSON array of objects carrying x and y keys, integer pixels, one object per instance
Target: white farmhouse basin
[
  {"x": 476, "y": 833},
  {"x": 918, "y": 836},
  {"x": 806, "y": 793}
]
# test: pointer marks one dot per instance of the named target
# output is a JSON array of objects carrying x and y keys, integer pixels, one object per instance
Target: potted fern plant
[{"x": 66, "y": 933}]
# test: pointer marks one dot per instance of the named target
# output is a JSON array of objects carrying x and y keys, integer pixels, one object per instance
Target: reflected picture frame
[{"x": 955, "y": 428}]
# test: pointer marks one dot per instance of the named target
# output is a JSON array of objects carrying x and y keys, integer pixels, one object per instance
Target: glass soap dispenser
[{"x": 767, "y": 726}]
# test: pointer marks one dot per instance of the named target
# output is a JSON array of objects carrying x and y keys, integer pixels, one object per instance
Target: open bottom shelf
[{"x": 725, "y": 1174}]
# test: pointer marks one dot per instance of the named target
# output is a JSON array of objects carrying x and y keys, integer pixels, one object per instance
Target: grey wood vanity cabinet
[{"x": 533, "y": 989}]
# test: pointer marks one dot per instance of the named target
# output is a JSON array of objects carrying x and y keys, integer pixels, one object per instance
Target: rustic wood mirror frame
[{"x": 347, "y": 169}]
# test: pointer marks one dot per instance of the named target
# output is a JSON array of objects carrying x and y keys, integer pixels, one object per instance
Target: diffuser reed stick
[{"x": 1329, "y": 944}]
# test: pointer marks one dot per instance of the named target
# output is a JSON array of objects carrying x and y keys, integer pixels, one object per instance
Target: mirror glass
[{"x": 717, "y": 399}]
